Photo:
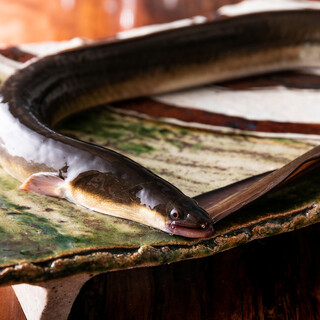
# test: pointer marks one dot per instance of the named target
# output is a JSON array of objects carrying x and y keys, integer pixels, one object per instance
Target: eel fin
[{"x": 45, "y": 183}]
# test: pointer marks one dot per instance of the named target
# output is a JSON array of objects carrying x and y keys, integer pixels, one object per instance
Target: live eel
[{"x": 35, "y": 98}]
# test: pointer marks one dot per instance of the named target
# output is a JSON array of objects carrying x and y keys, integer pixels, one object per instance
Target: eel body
[{"x": 37, "y": 97}]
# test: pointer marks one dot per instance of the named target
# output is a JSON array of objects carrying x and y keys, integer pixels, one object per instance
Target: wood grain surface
[
  {"x": 274, "y": 278},
  {"x": 10, "y": 308}
]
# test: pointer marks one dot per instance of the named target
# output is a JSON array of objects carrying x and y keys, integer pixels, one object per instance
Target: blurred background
[{"x": 24, "y": 21}]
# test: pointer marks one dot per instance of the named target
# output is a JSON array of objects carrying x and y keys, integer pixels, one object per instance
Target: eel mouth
[{"x": 188, "y": 232}]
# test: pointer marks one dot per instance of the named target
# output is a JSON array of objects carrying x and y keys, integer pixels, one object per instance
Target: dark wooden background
[{"x": 275, "y": 278}]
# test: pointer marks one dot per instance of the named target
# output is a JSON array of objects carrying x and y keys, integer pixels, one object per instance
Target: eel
[{"x": 36, "y": 98}]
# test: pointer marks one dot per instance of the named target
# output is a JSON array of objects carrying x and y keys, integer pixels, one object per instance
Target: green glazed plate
[{"x": 42, "y": 238}]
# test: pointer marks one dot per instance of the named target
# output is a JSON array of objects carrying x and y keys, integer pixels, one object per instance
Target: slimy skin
[{"x": 36, "y": 98}]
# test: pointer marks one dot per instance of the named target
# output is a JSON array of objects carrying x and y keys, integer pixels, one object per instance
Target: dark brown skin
[{"x": 37, "y": 97}]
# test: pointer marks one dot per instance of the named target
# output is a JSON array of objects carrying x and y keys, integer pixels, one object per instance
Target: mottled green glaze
[{"x": 43, "y": 238}]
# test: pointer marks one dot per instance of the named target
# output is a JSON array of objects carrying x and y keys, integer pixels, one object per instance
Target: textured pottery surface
[{"x": 43, "y": 238}]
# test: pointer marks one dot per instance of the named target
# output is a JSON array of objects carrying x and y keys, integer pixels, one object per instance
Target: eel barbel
[{"x": 34, "y": 99}]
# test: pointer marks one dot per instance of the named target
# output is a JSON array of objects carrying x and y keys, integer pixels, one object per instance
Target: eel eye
[{"x": 175, "y": 214}]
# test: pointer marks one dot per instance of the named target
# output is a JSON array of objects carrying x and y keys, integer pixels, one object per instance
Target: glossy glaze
[{"x": 37, "y": 97}]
